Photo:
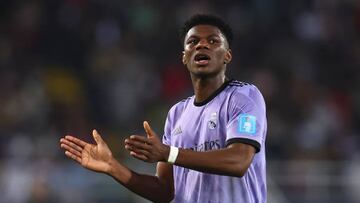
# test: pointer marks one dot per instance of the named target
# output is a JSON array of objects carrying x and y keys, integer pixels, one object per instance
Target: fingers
[
  {"x": 73, "y": 156},
  {"x": 71, "y": 149},
  {"x": 138, "y": 150},
  {"x": 148, "y": 130},
  {"x": 142, "y": 139},
  {"x": 135, "y": 144},
  {"x": 70, "y": 144},
  {"x": 76, "y": 140},
  {"x": 138, "y": 156},
  {"x": 97, "y": 137}
]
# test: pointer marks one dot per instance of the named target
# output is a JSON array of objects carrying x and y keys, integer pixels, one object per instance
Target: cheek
[
  {"x": 221, "y": 56},
  {"x": 186, "y": 57}
]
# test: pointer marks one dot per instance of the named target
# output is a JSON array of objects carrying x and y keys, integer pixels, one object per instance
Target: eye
[
  {"x": 213, "y": 40},
  {"x": 192, "y": 41}
]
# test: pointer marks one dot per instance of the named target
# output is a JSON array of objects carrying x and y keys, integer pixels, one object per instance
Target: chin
[{"x": 204, "y": 74}]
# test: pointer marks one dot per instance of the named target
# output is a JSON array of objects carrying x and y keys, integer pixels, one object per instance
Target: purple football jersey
[{"x": 235, "y": 113}]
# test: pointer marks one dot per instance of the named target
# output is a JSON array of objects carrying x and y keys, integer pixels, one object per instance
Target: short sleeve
[
  {"x": 247, "y": 118},
  {"x": 167, "y": 131}
]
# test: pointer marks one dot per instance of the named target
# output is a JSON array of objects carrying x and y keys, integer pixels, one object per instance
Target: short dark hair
[{"x": 204, "y": 19}]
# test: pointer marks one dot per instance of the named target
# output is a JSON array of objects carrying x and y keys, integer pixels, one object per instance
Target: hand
[
  {"x": 148, "y": 149},
  {"x": 94, "y": 157}
]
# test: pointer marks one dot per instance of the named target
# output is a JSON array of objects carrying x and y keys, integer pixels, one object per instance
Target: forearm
[
  {"x": 231, "y": 161},
  {"x": 149, "y": 187}
]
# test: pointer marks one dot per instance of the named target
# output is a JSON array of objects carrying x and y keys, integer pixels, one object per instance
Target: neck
[{"x": 205, "y": 86}]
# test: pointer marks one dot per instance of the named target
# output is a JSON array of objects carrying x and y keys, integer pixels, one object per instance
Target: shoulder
[
  {"x": 179, "y": 107},
  {"x": 244, "y": 92},
  {"x": 239, "y": 88}
]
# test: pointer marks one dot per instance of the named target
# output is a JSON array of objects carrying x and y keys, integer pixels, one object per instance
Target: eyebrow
[{"x": 197, "y": 36}]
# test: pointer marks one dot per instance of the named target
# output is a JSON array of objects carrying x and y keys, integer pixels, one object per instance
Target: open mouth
[{"x": 202, "y": 59}]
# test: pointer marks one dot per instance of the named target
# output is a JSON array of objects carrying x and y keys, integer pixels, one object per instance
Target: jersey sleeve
[
  {"x": 166, "y": 139},
  {"x": 172, "y": 116},
  {"x": 247, "y": 118},
  {"x": 169, "y": 123}
]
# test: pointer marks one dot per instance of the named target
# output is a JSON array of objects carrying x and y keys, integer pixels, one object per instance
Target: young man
[{"x": 213, "y": 147}]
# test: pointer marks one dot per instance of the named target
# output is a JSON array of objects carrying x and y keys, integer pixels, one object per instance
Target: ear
[
  {"x": 228, "y": 56},
  {"x": 184, "y": 58}
]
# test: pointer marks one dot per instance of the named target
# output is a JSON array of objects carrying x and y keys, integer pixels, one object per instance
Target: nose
[{"x": 203, "y": 44}]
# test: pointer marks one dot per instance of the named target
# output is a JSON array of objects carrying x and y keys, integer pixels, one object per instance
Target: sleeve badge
[{"x": 247, "y": 124}]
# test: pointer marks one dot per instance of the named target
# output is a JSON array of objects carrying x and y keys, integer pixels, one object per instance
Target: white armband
[{"x": 174, "y": 151}]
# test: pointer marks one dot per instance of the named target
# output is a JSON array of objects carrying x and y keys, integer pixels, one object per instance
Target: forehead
[{"x": 204, "y": 31}]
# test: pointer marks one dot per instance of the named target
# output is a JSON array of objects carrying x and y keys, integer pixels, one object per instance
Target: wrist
[
  {"x": 111, "y": 165},
  {"x": 119, "y": 172},
  {"x": 166, "y": 152},
  {"x": 173, "y": 154}
]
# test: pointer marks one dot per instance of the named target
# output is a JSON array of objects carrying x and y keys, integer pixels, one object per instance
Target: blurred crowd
[{"x": 67, "y": 67}]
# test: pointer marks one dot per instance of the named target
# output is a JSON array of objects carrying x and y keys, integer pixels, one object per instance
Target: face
[{"x": 206, "y": 51}]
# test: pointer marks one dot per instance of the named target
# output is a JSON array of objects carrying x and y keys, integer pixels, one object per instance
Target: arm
[
  {"x": 158, "y": 188},
  {"x": 232, "y": 161},
  {"x": 100, "y": 159}
]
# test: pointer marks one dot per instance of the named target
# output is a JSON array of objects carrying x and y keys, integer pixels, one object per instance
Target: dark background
[{"x": 67, "y": 67}]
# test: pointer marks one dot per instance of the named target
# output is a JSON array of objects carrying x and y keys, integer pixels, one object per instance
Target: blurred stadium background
[{"x": 69, "y": 66}]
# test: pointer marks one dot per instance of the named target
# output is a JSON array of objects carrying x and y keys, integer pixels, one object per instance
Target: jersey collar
[{"x": 213, "y": 95}]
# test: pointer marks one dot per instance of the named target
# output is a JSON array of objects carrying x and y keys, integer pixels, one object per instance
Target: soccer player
[{"x": 213, "y": 147}]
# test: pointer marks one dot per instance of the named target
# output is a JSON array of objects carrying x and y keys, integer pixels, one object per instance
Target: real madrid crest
[{"x": 212, "y": 123}]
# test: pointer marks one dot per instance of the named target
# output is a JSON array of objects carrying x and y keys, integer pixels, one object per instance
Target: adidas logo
[{"x": 177, "y": 130}]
